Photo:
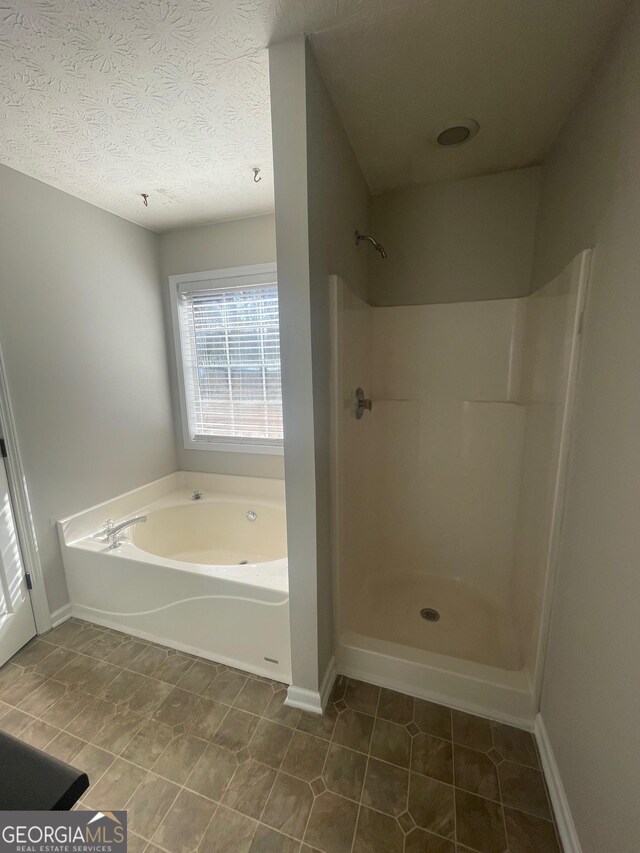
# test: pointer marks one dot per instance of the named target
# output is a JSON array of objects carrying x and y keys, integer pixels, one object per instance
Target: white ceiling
[
  {"x": 515, "y": 66},
  {"x": 107, "y": 99}
]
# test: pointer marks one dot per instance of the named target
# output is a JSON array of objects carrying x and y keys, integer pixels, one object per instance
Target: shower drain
[{"x": 429, "y": 614}]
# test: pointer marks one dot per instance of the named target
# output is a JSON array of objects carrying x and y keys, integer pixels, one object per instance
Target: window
[{"x": 228, "y": 350}]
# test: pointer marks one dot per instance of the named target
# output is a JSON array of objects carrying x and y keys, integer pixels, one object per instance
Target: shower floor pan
[
  {"x": 468, "y": 657},
  {"x": 469, "y": 627}
]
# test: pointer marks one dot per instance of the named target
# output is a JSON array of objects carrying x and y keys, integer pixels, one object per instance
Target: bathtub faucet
[{"x": 113, "y": 531}]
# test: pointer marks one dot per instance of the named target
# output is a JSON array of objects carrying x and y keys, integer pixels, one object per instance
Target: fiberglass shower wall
[
  {"x": 440, "y": 456},
  {"x": 448, "y": 490},
  {"x": 549, "y": 360}
]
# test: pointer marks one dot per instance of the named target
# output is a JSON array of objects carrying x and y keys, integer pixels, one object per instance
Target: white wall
[
  {"x": 591, "y": 697},
  {"x": 236, "y": 243},
  {"x": 455, "y": 241},
  {"x": 321, "y": 198},
  {"x": 338, "y": 205},
  {"x": 82, "y": 333},
  {"x": 289, "y": 129}
]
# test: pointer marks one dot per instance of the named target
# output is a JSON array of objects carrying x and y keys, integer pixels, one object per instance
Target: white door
[{"x": 17, "y": 625}]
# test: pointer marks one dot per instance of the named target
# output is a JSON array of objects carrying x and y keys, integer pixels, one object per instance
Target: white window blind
[{"x": 231, "y": 357}]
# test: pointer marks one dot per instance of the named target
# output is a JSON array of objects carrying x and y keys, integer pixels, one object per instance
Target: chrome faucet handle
[
  {"x": 108, "y": 526},
  {"x": 115, "y": 541},
  {"x": 197, "y": 494}
]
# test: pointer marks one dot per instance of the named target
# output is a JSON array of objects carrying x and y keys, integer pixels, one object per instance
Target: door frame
[{"x": 22, "y": 507}]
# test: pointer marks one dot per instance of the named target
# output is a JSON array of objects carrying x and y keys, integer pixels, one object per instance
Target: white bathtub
[{"x": 197, "y": 575}]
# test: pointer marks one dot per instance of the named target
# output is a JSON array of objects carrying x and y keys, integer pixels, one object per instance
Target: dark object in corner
[{"x": 34, "y": 781}]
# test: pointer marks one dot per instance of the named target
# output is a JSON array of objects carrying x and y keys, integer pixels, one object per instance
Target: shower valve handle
[{"x": 362, "y": 403}]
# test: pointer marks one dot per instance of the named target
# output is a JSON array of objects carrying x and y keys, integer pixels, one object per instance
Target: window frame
[{"x": 230, "y": 277}]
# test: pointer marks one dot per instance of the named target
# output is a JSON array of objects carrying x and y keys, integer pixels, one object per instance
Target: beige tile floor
[{"x": 208, "y": 758}]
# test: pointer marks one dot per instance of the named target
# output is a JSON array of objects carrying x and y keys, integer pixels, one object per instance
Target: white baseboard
[
  {"x": 60, "y": 615},
  {"x": 305, "y": 700},
  {"x": 314, "y": 701},
  {"x": 327, "y": 682},
  {"x": 564, "y": 819}
]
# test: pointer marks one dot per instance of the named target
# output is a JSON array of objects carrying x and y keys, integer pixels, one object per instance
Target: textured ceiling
[
  {"x": 107, "y": 99},
  {"x": 516, "y": 66}
]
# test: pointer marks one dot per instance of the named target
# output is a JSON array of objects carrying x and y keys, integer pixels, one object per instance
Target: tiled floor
[{"x": 206, "y": 758}]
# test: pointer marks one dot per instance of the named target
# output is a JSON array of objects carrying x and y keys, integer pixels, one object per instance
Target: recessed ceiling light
[{"x": 456, "y": 132}]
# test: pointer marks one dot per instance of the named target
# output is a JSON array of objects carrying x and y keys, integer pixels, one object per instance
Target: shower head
[{"x": 377, "y": 246}]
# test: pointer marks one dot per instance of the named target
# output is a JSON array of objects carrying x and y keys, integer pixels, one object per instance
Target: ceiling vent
[{"x": 456, "y": 132}]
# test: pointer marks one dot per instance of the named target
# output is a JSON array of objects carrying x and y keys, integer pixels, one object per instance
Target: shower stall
[{"x": 447, "y": 493}]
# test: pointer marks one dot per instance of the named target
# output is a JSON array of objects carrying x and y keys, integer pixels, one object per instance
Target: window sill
[{"x": 232, "y": 447}]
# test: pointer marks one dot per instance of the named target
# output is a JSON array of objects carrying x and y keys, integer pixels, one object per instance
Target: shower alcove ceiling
[{"x": 447, "y": 492}]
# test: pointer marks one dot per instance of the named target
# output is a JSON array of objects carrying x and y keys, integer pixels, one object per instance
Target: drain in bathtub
[{"x": 429, "y": 614}]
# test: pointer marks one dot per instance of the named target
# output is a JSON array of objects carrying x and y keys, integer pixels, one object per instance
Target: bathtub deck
[{"x": 208, "y": 758}]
